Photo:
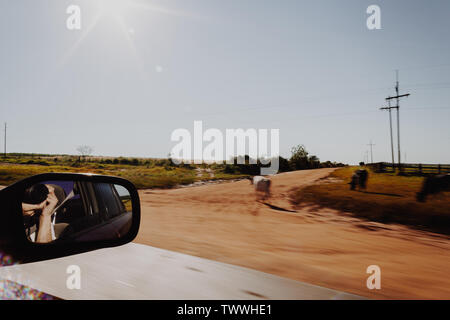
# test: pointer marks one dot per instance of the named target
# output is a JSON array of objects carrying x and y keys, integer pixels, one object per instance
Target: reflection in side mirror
[{"x": 76, "y": 211}]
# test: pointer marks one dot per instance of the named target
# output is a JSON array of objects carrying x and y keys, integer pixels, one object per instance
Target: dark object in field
[
  {"x": 362, "y": 164},
  {"x": 359, "y": 178},
  {"x": 432, "y": 185}
]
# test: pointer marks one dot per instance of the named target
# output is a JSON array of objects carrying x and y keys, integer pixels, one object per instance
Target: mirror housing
[{"x": 17, "y": 243}]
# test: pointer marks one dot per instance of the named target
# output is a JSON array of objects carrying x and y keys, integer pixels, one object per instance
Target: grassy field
[
  {"x": 388, "y": 199},
  {"x": 144, "y": 173}
]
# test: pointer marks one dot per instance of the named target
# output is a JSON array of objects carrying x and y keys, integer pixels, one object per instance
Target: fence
[{"x": 412, "y": 168}]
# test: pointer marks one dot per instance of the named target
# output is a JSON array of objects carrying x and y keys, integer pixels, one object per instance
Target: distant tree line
[
  {"x": 299, "y": 160},
  {"x": 244, "y": 165}
]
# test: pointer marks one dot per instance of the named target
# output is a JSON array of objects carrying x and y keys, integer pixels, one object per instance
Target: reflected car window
[
  {"x": 108, "y": 203},
  {"x": 76, "y": 211}
]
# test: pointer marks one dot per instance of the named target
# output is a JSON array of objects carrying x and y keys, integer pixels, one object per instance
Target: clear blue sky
[{"x": 310, "y": 68}]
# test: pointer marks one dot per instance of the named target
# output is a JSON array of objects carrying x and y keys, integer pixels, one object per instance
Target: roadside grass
[
  {"x": 388, "y": 199},
  {"x": 143, "y": 172},
  {"x": 142, "y": 176}
]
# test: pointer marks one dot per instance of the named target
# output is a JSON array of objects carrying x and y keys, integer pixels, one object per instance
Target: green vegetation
[
  {"x": 389, "y": 198},
  {"x": 299, "y": 160},
  {"x": 145, "y": 172}
]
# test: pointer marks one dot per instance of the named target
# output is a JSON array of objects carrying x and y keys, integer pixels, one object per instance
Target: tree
[
  {"x": 299, "y": 158},
  {"x": 85, "y": 151},
  {"x": 314, "y": 162},
  {"x": 284, "y": 165}
]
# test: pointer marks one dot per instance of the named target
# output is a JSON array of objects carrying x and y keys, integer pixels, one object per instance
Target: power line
[
  {"x": 397, "y": 97},
  {"x": 426, "y": 108},
  {"x": 366, "y": 156},
  {"x": 426, "y": 67},
  {"x": 390, "y": 126},
  {"x": 371, "y": 151}
]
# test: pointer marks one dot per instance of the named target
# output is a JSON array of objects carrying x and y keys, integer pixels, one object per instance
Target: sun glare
[
  {"x": 121, "y": 12},
  {"x": 112, "y": 8}
]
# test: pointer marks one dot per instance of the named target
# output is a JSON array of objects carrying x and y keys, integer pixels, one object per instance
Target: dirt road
[{"x": 224, "y": 222}]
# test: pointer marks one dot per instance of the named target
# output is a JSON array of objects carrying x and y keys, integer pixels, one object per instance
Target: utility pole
[
  {"x": 4, "y": 155},
  {"x": 392, "y": 139},
  {"x": 371, "y": 151},
  {"x": 397, "y": 97},
  {"x": 398, "y": 119}
]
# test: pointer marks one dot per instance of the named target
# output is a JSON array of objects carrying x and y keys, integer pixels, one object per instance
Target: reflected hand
[
  {"x": 44, "y": 234},
  {"x": 30, "y": 209},
  {"x": 50, "y": 202}
]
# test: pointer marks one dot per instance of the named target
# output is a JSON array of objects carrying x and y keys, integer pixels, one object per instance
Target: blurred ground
[
  {"x": 394, "y": 196},
  {"x": 320, "y": 246}
]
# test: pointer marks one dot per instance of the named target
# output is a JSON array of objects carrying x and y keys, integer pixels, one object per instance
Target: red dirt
[{"x": 320, "y": 246}]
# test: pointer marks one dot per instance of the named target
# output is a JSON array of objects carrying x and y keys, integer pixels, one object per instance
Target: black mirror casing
[{"x": 14, "y": 241}]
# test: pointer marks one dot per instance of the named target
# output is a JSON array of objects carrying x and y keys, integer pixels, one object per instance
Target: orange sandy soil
[{"x": 324, "y": 247}]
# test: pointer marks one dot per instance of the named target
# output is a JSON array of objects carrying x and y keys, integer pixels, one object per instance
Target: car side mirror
[{"x": 58, "y": 214}]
